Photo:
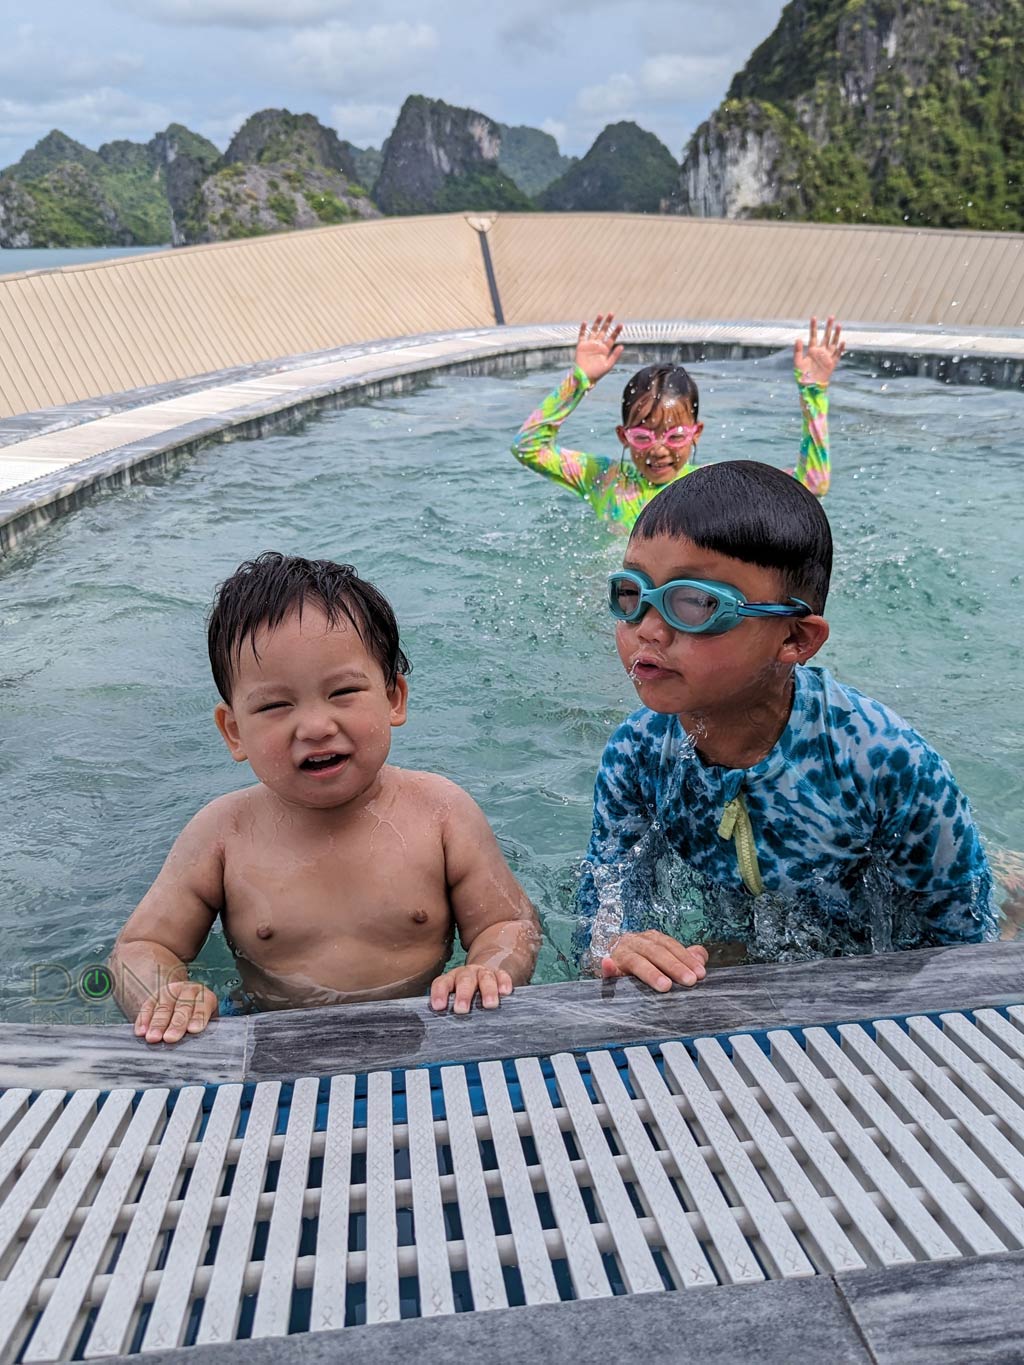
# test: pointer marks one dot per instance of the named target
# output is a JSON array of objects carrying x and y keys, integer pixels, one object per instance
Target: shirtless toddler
[{"x": 337, "y": 876}]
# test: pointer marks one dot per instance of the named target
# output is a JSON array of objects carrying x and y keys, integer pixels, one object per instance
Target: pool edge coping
[
  {"x": 374, "y": 369},
  {"x": 537, "y": 1020}
]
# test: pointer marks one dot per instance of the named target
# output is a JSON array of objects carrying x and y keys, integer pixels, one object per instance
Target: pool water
[{"x": 107, "y": 744}]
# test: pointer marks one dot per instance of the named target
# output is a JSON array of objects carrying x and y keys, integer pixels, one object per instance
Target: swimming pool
[{"x": 107, "y": 745}]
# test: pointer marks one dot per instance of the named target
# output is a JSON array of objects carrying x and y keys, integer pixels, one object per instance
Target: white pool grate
[{"x": 134, "y": 1221}]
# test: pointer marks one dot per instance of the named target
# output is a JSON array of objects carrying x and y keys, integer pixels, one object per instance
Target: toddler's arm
[
  {"x": 496, "y": 922},
  {"x": 166, "y": 931},
  {"x": 813, "y": 367},
  {"x": 535, "y": 445}
]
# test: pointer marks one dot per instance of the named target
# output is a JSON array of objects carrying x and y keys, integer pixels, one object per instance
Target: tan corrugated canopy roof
[
  {"x": 553, "y": 267},
  {"x": 103, "y": 328}
]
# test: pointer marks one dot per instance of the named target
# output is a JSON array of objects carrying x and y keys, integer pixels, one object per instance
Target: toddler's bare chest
[{"x": 303, "y": 897}]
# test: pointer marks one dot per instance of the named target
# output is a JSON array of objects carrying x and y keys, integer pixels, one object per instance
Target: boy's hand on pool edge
[
  {"x": 656, "y": 959},
  {"x": 465, "y": 983},
  {"x": 180, "y": 1007}
]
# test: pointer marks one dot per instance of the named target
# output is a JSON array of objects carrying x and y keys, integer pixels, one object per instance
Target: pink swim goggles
[{"x": 642, "y": 439}]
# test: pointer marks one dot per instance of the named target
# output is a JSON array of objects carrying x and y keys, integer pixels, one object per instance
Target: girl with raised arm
[{"x": 660, "y": 428}]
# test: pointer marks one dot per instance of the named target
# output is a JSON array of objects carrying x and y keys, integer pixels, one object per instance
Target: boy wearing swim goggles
[
  {"x": 810, "y": 818},
  {"x": 660, "y": 428}
]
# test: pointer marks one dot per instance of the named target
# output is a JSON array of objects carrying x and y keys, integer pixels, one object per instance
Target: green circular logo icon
[{"x": 95, "y": 983}]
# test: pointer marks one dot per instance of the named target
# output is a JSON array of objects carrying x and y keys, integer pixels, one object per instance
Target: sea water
[
  {"x": 16, "y": 259},
  {"x": 107, "y": 744}
]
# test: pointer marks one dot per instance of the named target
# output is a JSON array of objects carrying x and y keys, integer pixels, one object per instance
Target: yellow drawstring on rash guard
[{"x": 735, "y": 825}]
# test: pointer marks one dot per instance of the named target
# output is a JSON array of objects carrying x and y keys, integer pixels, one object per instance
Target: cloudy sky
[{"x": 126, "y": 68}]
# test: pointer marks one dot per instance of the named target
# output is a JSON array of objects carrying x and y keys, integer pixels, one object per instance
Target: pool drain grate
[{"x": 135, "y": 1221}]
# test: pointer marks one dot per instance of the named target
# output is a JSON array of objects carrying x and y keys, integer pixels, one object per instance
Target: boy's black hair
[
  {"x": 262, "y": 591},
  {"x": 752, "y": 512},
  {"x": 652, "y": 385}
]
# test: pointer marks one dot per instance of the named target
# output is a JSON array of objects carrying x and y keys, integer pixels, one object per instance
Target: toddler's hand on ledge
[
  {"x": 656, "y": 959},
  {"x": 466, "y": 982},
  {"x": 179, "y": 1007}
]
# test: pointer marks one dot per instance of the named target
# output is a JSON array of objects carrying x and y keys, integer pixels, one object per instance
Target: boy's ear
[
  {"x": 804, "y": 637},
  {"x": 228, "y": 726},
  {"x": 398, "y": 696},
  {"x": 620, "y": 432}
]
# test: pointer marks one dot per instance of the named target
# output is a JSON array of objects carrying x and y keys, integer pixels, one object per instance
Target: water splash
[{"x": 653, "y": 888}]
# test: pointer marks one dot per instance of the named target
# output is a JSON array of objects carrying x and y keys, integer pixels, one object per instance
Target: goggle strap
[{"x": 775, "y": 608}]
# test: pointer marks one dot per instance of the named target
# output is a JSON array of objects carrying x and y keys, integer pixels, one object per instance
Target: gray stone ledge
[{"x": 536, "y": 1020}]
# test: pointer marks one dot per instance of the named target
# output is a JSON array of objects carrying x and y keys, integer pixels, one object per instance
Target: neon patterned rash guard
[
  {"x": 863, "y": 841},
  {"x": 615, "y": 489}
]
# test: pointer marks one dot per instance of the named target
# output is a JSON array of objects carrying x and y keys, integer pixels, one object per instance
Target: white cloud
[
  {"x": 219, "y": 128},
  {"x": 668, "y": 78},
  {"x": 673, "y": 76},
  {"x": 611, "y": 99},
  {"x": 335, "y": 55},
  {"x": 364, "y": 124},
  {"x": 556, "y": 128},
  {"x": 97, "y": 116},
  {"x": 239, "y": 13},
  {"x": 531, "y": 22},
  {"x": 33, "y": 64}
]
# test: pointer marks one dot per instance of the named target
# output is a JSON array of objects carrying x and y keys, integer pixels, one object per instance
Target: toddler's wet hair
[
  {"x": 651, "y": 386},
  {"x": 751, "y": 512},
  {"x": 262, "y": 591}
]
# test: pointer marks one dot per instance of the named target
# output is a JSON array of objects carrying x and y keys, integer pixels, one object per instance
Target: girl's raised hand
[
  {"x": 596, "y": 349},
  {"x": 816, "y": 364}
]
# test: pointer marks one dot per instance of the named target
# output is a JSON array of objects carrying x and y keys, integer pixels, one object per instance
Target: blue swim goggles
[{"x": 695, "y": 605}]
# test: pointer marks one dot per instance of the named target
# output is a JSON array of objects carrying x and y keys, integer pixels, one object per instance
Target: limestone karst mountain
[
  {"x": 885, "y": 111},
  {"x": 280, "y": 171},
  {"x": 63, "y": 194},
  {"x": 627, "y": 170},
  {"x": 441, "y": 159}
]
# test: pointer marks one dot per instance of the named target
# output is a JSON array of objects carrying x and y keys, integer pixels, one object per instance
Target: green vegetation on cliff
[
  {"x": 281, "y": 171},
  {"x": 279, "y": 137},
  {"x": 896, "y": 112},
  {"x": 531, "y": 158},
  {"x": 627, "y": 170},
  {"x": 78, "y": 197},
  {"x": 367, "y": 162},
  {"x": 480, "y": 190}
]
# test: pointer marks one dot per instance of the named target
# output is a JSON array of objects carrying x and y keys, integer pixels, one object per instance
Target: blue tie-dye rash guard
[{"x": 863, "y": 839}]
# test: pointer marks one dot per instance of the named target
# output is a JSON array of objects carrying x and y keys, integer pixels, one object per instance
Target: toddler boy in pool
[
  {"x": 810, "y": 819},
  {"x": 337, "y": 876}
]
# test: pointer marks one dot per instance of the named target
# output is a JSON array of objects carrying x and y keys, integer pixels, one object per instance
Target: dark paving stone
[
  {"x": 105, "y": 1058},
  {"x": 968, "y": 1312},
  {"x": 536, "y": 1020},
  {"x": 539, "y": 1020},
  {"x": 847, "y": 989},
  {"x": 770, "y": 1324}
]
